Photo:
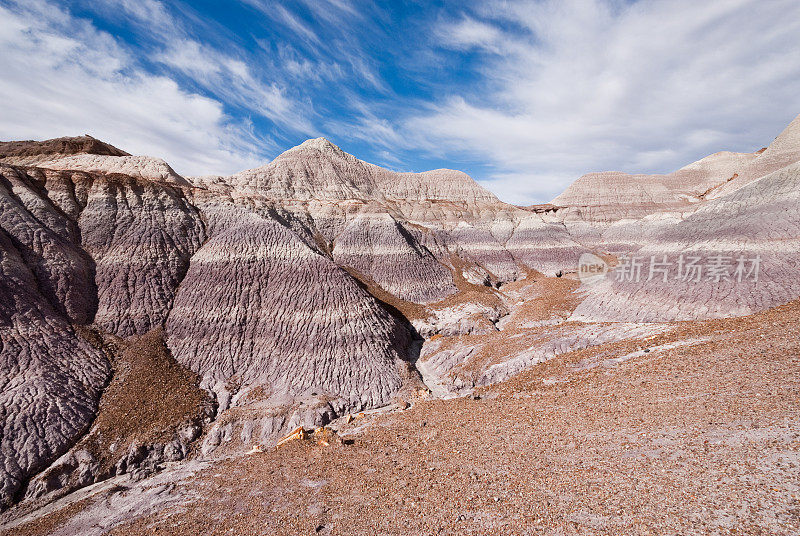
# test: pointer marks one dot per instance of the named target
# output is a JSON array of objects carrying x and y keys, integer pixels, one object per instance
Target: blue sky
[{"x": 524, "y": 96}]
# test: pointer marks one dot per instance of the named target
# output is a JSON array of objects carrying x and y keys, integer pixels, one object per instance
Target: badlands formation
[{"x": 320, "y": 345}]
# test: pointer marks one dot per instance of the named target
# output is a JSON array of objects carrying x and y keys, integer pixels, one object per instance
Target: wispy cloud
[
  {"x": 62, "y": 76},
  {"x": 469, "y": 33},
  {"x": 526, "y": 95},
  {"x": 188, "y": 56},
  {"x": 148, "y": 12},
  {"x": 586, "y": 85},
  {"x": 279, "y": 13},
  {"x": 231, "y": 80}
]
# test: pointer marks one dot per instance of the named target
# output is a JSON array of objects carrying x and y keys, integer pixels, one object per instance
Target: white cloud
[
  {"x": 188, "y": 56},
  {"x": 588, "y": 85},
  {"x": 293, "y": 22},
  {"x": 151, "y": 12},
  {"x": 470, "y": 33},
  {"x": 231, "y": 80},
  {"x": 373, "y": 130},
  {"x": 61, "y": 76},
  {"x": 225, "y": 75},
  {"x": 565, "y": 86},
  {"x": 305, "y": 69},
  {"x": 278, "y": 12}
]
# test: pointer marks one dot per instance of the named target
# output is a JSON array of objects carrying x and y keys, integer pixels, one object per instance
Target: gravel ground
[{"x": 700, "y": 438}]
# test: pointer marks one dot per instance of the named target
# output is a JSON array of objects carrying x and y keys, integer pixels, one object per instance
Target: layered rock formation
[
  {"x": 265, "y": 284},
  {"x": 51, "y": 377},
  {"x": 783, "y": 151},
  {"x": 325, "y": 186},
  {"x": 614, "y": 195},
  {"x": 320, "y": 285},
  {"x": 378, "y": 245},
  {"x": 601, "y": 199},
  {"x": 285, "y": 319},
  {"x": 141, "y": 235},
  {"x": 752, "y": 236},
  {"x": 740, "y": 234},
  {"x": 139, "y": 167},
  {"x": 32, "y": 152}
]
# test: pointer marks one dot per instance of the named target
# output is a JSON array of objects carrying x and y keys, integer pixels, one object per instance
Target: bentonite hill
[{"x": 320, "y": 345}]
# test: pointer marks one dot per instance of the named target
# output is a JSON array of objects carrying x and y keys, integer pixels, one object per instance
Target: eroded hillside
[{"x": 319, "y": 290}]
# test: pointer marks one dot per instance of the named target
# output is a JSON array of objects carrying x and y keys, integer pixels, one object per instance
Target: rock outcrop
[
  {"x": 323, "y": 185},
  {"x": 32, "y": 152},
  {"x": 613, "y": 195},
  {"x": 783, "y": 151},
  {"x": 377, "y": 245},
  {"x": 48, "y": 241},
  {"x": 754, "y": 235},
  {"x": 281, "y": 320},
  {"x": 50, "y": 377},
  {"x": 302, "y": 290},
  {"x": 740, "y": 237},
  {"x": 139, "y": 167},
  {"x": 142, "y": 236}
]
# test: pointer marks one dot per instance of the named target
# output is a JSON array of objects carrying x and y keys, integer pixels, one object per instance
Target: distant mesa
[{"x": 30, "y": 152}]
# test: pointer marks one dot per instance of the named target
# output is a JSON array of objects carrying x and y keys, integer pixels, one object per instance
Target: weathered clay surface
[
  {"x": 613, "y": 195},
  {"x": 318, "y": 169},
  {"x": 297, "y": 292},
  {"x": 50, "y": 377},
  {"x": 617, "y": 211},
  {"x": 533, "y": 329},
  {"x": 108, "y": 249},
  {"x": 281, "y": 321},
  {"x": 323, "y": 182},
  {"x": 76, "y": 248},
  {"x": 140, "y": 167},
  {"x": 784, "y": 150},
  {"x": 760, "y": 220},
  {"x": 141, "y": 235},
  {"x": 148, "y": 415},
  {"x": 49, "y": 243},
  {"x": 380, "y": 247}
]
